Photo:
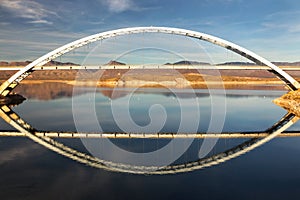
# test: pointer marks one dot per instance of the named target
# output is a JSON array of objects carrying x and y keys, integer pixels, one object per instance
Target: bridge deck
[
  {"x": 199, "y": 67},
  {"x": 233, "y": 135}
]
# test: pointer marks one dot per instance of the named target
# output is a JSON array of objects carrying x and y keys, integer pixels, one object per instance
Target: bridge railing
[{"x": 198, "y": 67}]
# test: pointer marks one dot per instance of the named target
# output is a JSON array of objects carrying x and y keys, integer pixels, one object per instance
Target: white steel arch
[{"x": 13, "y": 81}]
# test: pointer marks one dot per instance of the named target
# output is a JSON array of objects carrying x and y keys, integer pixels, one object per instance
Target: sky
[{"x": 31, "y": 28}]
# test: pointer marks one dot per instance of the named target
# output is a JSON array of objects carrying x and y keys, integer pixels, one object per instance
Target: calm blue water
[
  {"x": 245, "y": 110},
  {"x": 29, "y": 171}
]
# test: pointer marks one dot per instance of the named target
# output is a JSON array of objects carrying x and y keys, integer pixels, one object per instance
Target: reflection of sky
[
  {"x": 41, "y": 174},
  {"x": 27, "y": 169},
  {"x": 4, "y": 125},
  {"x": 243, "y": 113}
]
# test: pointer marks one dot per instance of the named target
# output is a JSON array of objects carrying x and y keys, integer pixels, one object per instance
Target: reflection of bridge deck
[
  {"x": 27, "y": 130},
  {"x": 199, "y": 67},
  {"x": 231, "y": 135}
]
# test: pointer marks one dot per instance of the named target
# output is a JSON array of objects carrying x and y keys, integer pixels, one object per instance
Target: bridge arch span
[{"x": 14, "y": 80}]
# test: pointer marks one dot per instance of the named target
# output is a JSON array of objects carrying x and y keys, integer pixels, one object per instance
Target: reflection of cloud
[
  {"x": 28, "y": 9},
  {"x": 12, "y": 154}
]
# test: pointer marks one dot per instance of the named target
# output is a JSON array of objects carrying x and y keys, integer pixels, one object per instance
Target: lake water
[{"x": 30, "y": 171}]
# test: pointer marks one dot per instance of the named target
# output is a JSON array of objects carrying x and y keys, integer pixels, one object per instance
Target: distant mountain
[
  {"x": 24, "y": 63},
  {"x": 187, "y": 62},
  {"x": 287, "y": 63},
  {"x": 54, "y": 63},
  {"x": 237, "y": 63},
  {"x": 249, "y": 63},
  {"x": 113, "y": 62},
  {"x": 14, "y": 63},
  {"x": 3, "y": 63}
]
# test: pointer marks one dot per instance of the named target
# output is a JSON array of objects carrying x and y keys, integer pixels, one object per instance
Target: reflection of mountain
[
  {"x": 45, "y": 91},
  {"x": 183, "y": 94},
  {"x": 218, "y": 155},
  {"x": 55, "y": 90},
  {"x": 113, "y": 94},
  {"x": 49, "y": 91},
  {"x": 118, "y": 93}
]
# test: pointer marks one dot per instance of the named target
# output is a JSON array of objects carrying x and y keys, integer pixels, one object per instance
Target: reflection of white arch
[
  {"x": 13, "y": 81},
  {"x": 13, "y": 119}
]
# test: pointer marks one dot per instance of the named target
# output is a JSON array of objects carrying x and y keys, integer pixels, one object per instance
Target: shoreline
[
  {"x": 54, "y": 89},
  {"x": 151, "y": 78},
  {"x": 160, "y": 84},
  {"x": 181, "y": 79}
]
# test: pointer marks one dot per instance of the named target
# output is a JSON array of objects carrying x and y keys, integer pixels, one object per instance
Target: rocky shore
[
  {"x": 12, "y": 99},
  {"x": 290, "y": 102}
]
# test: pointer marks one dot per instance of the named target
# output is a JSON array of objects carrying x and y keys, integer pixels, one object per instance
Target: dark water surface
[{"x": 30, "y": 171}]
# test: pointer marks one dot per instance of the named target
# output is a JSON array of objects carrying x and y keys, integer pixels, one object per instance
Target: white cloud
[
  {"x": 287, "y": 21},
  {"x": 61, "y": 35},
  {"x": 4, "y": 23},
  {"x": 119, "y": 5},
  {"x": 28, "y": 9},
  {"x": 40, "y": 21},
  {"x": 288, "y": 26}
]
